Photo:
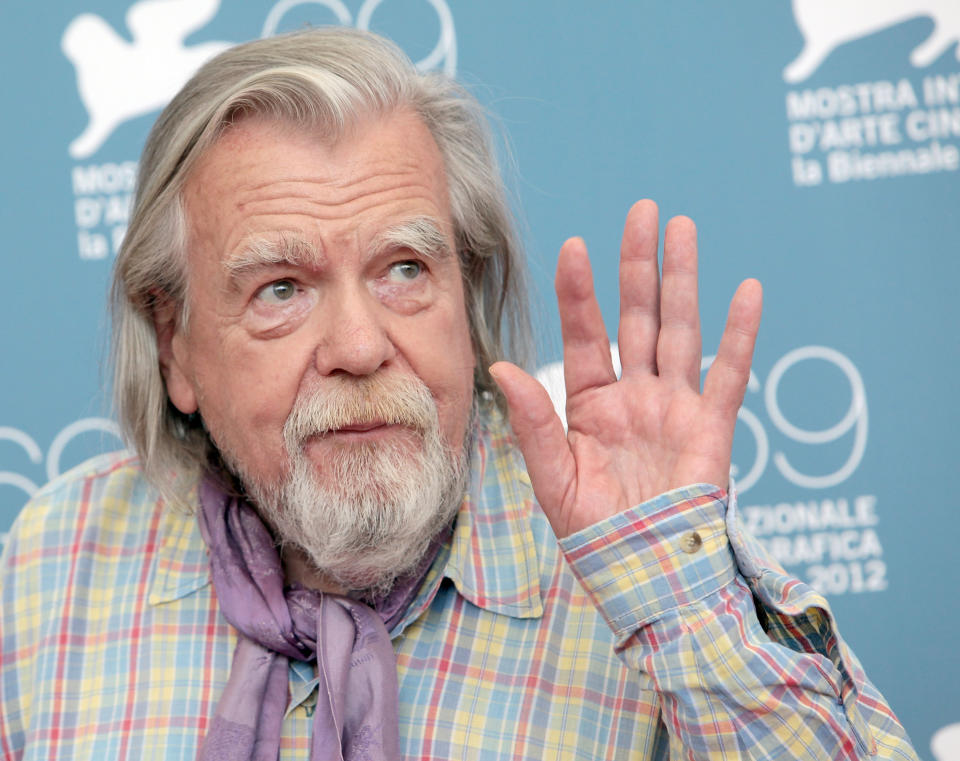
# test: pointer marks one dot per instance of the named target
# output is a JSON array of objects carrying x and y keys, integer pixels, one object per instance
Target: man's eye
[
  {"x": 277, "y": 292},
  {"x": 405, "y": 271}
]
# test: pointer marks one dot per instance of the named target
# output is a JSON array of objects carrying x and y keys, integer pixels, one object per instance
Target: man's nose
[{"x": 355, "y": 338}]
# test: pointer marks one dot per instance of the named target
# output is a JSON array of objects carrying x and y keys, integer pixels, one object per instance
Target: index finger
[{"x": 586, "y": 348}]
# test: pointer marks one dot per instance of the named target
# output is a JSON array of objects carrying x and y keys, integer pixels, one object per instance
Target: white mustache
[{"x": 389, "y": 399}]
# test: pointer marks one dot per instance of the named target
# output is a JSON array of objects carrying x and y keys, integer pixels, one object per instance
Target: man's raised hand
[{"x": 653, "y": 430}]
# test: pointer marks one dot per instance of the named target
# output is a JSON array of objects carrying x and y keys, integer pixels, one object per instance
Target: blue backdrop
[{"x": 817, "y": 148}]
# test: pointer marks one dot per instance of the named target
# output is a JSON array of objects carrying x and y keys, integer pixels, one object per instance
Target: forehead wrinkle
[
  {"x": 353, "y": 179},
  {"x": 353, "y": 187},
  {"x": 422, "y": 234},
  {"x": 332, "y": 209}
]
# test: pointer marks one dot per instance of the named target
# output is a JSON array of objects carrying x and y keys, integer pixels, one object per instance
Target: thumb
[{"x": 540, "y": 436}]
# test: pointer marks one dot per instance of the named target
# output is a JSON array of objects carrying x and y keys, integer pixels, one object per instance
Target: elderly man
[{"x": 327, "y": 544}]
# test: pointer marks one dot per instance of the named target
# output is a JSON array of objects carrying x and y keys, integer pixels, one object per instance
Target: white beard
[{"x": 372, "y": 513}]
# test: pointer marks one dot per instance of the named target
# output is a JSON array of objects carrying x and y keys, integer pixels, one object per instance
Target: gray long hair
[{"x": 327, "y": 79}]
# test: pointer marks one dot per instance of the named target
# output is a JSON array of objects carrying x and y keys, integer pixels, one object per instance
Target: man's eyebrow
[
  {"x": 265, "y": 252},
  {"x": 423, "y": 235}
]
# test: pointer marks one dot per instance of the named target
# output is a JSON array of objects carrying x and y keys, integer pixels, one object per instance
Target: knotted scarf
[{"x": 356, "y": 714}]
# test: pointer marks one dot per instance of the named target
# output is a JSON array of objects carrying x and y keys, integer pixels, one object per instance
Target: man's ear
[{"x": 173, "y": 354}]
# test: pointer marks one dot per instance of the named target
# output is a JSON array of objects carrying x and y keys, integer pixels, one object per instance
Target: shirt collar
[
  {"x": 493, "y": 554},
  {"x": 182, "y": 565},
  {"x": 491, "y": 557}
]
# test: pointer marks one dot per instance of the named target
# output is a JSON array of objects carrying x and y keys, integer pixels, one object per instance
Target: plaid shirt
[{"x": 644, "y": 642}]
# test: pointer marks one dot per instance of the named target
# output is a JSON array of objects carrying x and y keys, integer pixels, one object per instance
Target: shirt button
[{"x": 691, "y": 542}]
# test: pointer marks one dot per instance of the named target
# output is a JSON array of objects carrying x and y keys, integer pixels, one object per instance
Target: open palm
[{"x": 653, "y": 430}]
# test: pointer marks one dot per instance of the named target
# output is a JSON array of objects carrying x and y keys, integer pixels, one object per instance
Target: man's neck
[{"x": 296, "y": 568}]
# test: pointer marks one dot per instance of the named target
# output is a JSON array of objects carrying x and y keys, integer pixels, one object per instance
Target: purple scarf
[{"x": 356, "y": 714}]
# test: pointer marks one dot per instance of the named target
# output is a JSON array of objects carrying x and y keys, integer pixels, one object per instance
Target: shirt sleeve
[
  {"x": 746, "y": 659},
  {"x": 21, "y": 612}
]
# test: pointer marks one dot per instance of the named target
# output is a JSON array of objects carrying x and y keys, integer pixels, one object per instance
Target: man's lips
[
  {"x": 366, "y": 430},
  {"x": 371, "y": 433},
  {"x": 359, "y": 427}
]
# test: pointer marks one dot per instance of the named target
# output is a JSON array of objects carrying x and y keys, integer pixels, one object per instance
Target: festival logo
[
  {"x": 442, "y": 57},
  {"x": 51, "y": 465},
  {"x": 825, "y": 26},
  {"x": 884, "y": 128},
  {"x": 119, "y": 80}
]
